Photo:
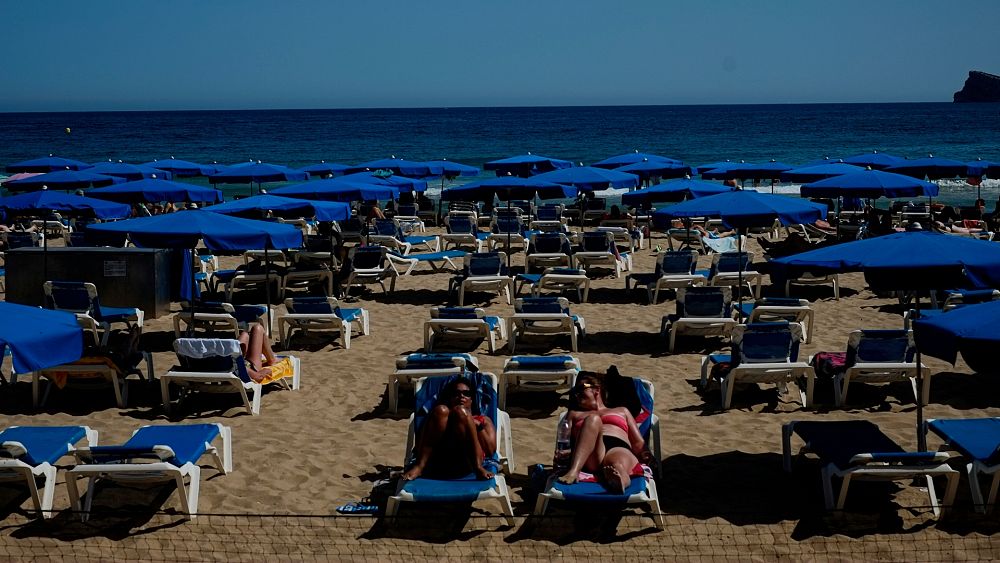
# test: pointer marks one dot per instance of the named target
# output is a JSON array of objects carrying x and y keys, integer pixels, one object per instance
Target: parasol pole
[
  {"x": 267, "y": 282},
  {"x": 739, "y": 276},
  {"x": 193, "y": 303},
  {"x": 921, "y": 438}
]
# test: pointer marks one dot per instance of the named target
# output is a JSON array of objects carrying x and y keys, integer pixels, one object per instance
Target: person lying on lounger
[
  {"x": 453, "y": 441},
  {"x": 606, "y": 440},
  {"x": 950, "y": 227},
  {"x": 257, "y": 350}
]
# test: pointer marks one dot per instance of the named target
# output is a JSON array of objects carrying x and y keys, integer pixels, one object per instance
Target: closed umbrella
[{"x": 46, "y": 164}]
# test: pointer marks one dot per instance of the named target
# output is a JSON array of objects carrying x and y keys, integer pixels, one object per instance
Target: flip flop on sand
[{"x": 358, "y": 509}]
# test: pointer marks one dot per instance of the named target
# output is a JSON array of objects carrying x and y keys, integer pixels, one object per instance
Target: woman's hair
[
  {"x": 589, "y": 377},
  {"x": 449, "y": 390}
]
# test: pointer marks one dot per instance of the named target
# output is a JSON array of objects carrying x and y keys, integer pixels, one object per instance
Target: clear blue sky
[{"x": 215, "y": 54}]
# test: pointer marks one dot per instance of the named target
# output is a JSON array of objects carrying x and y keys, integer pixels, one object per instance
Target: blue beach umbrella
[
  {"x": 526, "y": 165},
  {"x": 980, "y": 167},
  {"x": 589, "y": 178},
  {"x": 721, "y": 165},
  {"x": 748, "y": 171},
  {"x": 744, "y": 208},
  {"x": 876, "y": 160},
  {"x": 451, "y": 169},
  {"x": 824, "y": 160},
  {"x": 259, "y": 173},
  {"x": 869, "y": 184},
  {"x": 647, "y": 169},
  {"x": 962, "y": 331},
  {"x": 673, "y": 191},
  {"x": 63, "y": 180},
  {"x": 183, "y": 168},
  {"x": 400, "y": 167},
  {"x": 152, "y": 191},
  {"x": 337, "y": 189},
  {"x": 818, "y": 172},
  {"x": 46, "y": 164},
  {"x": 129, "y": 171},
  {"x": 46, "y": 201},
  {"x": 324, "y": 168},
  {"x": 39, "y": 338},
  {"x": 508, "y": 188},
  {"x": 400, "y": 183},
  {"x": 931, "y": 167},
  {"x": 259, "y": 204},
  {"x": 632, "y": 158}
]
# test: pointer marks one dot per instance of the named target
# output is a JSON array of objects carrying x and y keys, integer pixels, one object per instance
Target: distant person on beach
[
  {"x": 950, "y": 227},
  {"x": 453, "y": 441},
  {"x": 732, "y": 183},
  {"x": 606, "y": 440}
]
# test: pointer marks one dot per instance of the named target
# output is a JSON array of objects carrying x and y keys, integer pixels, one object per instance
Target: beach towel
[
  {"x": 279, "y": 370},
  {"x": 720, "y": 245}
]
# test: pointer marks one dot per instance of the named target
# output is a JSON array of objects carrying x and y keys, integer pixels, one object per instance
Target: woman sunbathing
[
  {"x": 257, "y": 350},
  {"x": 453, "y": 441},
  {"x": 606, "y": 441}
]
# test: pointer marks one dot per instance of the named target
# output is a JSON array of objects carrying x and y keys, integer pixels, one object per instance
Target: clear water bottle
[{"x": 560, "y": 461}]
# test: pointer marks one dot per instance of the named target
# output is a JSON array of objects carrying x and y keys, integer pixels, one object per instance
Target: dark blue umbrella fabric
[
  {"x": 869, "y": 184},
  {"x": 398, "y": 182},
  {"x": 337, "y": 189},
  {"x": 659, "y": 168},
  {"x": 674, "y": 190},
  {"x": 325, "y": 168},
  {"x": 906, "y": 261},
  {"x": 819, "y": 172},
  {"x": 39, "y": 338},
  {"x": 399, "y": 166},
  {"x": 526, "y": 165},
  {"x": 506, "y": 188},
  {"x": 183, "y": 168},
  {"x": 152, "y": 191},
  {"x": 589, "y": 178},
  {"x": 874, "y": 159},
  {"x": 259, "y": 172},
  {"x": 321, "y": 210},
  {"x": 720, "y": 171},
  {"x": 451, "y": 169},
  {"x": 49, "y": 201},
  {"x": 745, "y": 208},
  {"x": 129, "y": 171},
  {"x": 965, "y": 330},
  {"x": 931, "y": 167},
  {"x": 721, "y": 165},
  {"x": 184, "y": 229},
  {"x": 632, "y": 158},
  {"x": 980, "y": 167},
  {"x": 764, "y": 171},
  {"x": 47, "y": 164},
  {"x": 63, "y": 180}
]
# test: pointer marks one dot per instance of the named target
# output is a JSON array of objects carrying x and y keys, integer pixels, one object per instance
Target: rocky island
[{"x": 979, "y": 87}]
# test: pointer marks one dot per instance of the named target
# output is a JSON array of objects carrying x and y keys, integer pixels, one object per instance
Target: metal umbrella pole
[
  {"x": 921, "y": 437},
  {"x": 267, "y": 282},
  {"x": 739, "y": 276},
  {"x": 193, "y": 304}
]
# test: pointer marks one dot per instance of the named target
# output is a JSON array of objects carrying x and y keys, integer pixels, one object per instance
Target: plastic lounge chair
[
  {"x": 537, "y": 373},
  {"x": 642, "y": 490},
  {"x": 629, "y": 237},
  {"x": 857, "y": 450},
  {"x": 548, "y": 250},
  {"x": 30, "y": 452},
  {"x": 253, "y": 278},
  {"x": 82, "y": 298},
  {"x": 369, "y": 265},
  {"x": 388, "y": 233},
  {"x": 305, "y": 277},
  {"x": 814, "y": 278},
  {"x": 353, "y": 229},
  {"x": 704, "y": 311},
  {"x": 465, "y": 322},
  {"x": 686, "y": 239},
  {"x": 955, "y": 299},
  {"x": 545, "y": 315},
  {"x": 438, "y": 261},
  {"x": 320, "y": 313},
  {"x": 414, "y": 366},
  {"x": 215, "y": 314},
  {"x": 463, "y": 232},
  {"x": 216, "y": 365},
  {"x": 483, "y": 271},
  {"x": 20, "y": 240},
  {"x": 762, "y": 353},
  {"x": 507, "y": 231},
  {"x": 725, "y": 270},
  {"x": 880, "y": 356},
  {"x": 771, "y": 309},
  {"x": 466, "y": 488},
  {"x": 597, "y": 248},
  {"x": 674, "y": 269},
  {"x": 408, "y": 218},
  {"x": 977, "y": 440},
  {"x": 557, "y": 279},
  {"x": 153, "y": 455}
]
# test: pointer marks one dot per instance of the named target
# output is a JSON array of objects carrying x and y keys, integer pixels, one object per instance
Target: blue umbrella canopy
[
  {"x": 129, "y": 171},
  {"x": 721, "y": 165},
  {"x": 324, "y": 168},
  {"x": 183, "y": 168},
  {"x": 184, "y": 229},
  {"x": 931, "y": 167},
  {"x": 507, "y": 188},
  {"x": 321, "y": 210},
  {"x": 824, "y": 160},
  {"x": 869, "y": 184},
  {"x": 980, "y": 167},
  {"x": 962, "y": 331},
  {"x": 337, "y": 189},
  {"x": 818, "y": 172},
  {"x": 632, "y": 158},
  {"x": 46, "y": 164},
  {"x": 259, "y": 172},
  {"x": 526, "y": 165},
  {"x": 39, "y": 338},
  {"x": 674, "y": 190},
  {"x": 451, "y": 169},
  {"x": 745, "y": 208},
  {"x": 874, "y": 159},
  {"x": 747, "y": 171},
  {"x": 63, "y": 180},
  {"x": 589, "y": 178},
  {"x": 151, "y": 191},
  {"x": 907, "y": 261},
  {"x": 660, "y": 168},
  {"x": 399, "y": 166},
  {"x": 398, "y": 182},
  {"x": 49, "y": 201}
]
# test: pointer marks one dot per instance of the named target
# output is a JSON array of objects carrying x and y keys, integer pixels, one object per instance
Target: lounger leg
[
  {"x": 392, "y": 507},
  {"x": 392, "y": 394},
  {"x": 365, "y": 329},
  {"x": 728, "y": 382},
  {"x": 508, "y": 510},
  {"x": 345, "y": 331},
  {"x": 542, "y": 504},
  {"x": 165, "y": 394},
  {"x": 705, "y": 367},
  {"x": 842, "y": 497},
  {"x": 786, "y": 446},
  {"x": 34, "y": 388},
  {"x": 840, "y": 383},
  {"x": 807, "y": 399},
  {"x": 572, "y": 338},
  {"x": 654, "y": 506},
  {"x": 673, "y": 339}
]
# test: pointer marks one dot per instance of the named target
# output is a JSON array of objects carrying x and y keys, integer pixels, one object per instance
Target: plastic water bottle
[{"x": 560, "y": 461}]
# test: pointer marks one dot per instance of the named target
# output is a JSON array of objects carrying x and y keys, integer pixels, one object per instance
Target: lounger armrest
[
  {"x": 902, "y": 458},
  {"x": 12, "y": 449}
]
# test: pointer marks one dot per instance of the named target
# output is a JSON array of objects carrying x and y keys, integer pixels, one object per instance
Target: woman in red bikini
[
  {"x": 454, "y": 442},
  {"x": 606, "y": 440}
]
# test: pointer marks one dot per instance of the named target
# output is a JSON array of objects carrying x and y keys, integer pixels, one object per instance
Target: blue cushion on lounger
[
  {"x": 187, "y": 441},
  {"x": 596, "y": 492},
  {"x": 839, "y": 441},
  {"x": 543, "y": 362},
  {"x": 463, "y": 489},
  {"x": 976, "y": 438},
  {"x": 45, "y": 444}
]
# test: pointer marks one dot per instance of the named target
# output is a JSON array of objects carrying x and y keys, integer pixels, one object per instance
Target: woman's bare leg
[
  {"x": 430, "y": 436},
  {"x": 468, "y": 439},
  {"x": 256, "y": 342},
  {"x": 587, "y": 449},
  {"x": 487, "y": 437},
  {"x": 617, "y": 466}
]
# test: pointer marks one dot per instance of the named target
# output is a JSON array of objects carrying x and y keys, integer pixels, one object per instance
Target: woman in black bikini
[{"x": 606, "y": 440}]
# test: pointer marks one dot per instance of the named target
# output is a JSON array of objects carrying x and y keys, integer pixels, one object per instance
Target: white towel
[{"x": 207, "y": 347}]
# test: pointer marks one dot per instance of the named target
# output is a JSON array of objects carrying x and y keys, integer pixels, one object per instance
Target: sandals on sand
[{"x": 358, "y": 509}]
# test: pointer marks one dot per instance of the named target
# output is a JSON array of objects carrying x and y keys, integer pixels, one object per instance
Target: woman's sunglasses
[
  {"x": 580, "y": 387},
  {"x": 464, "y": 393}
]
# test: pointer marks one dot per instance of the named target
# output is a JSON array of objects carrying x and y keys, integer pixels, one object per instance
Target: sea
[{"x": 695, "y": 134}]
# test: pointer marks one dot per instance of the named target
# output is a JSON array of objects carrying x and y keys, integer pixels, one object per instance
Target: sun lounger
[
  {"x": 685, "y": 239},
  {"x": 674, "y": 269},
  {"x": 463, "y": 232},
  {"x": 548, "y": 250},
  {"x": 436, "y": 260},
  {"x": 814, "y": 278},
  {"x": 30, "y": 452},
  {"x": 855, "y": 450},
  {"x": 389, "y": 234},
  {"x": 977, "y": 440},
  {"x": 153, "y": 455},
  {"x": 408, "y": 218},
  {"x": 414, "y": 366},
  {"x": 771, "y": 309},
  {"x": 955, "y": 299},
  {"x": 82, "y": 298},
  {"x": 537, "y": 373},
  {"x": 626, "y": 236},
  {"x": 321, "y": 313},
  {"x": 557, "y": 279},
  {"x": 597, "y": 248},
  {"x": 306, "y": 277},
  {"x": 545, "y": 315},
  {"x": 483, "y": 271},
  {"x": 507, "y": 231},
  {"x": 703, "y": 311},
  {"x": 465, "y": 322},
  {"x": 369, "y": 265},
  {"x": 725, "y": 271},
  {"x": 880, "y": 356},
  {"x": 215, "y": 314}
]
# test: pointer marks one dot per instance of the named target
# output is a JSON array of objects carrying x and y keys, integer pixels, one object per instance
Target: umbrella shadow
[
  {"x": 965, "y": 390},
  {"x": 620, "y": 342}
]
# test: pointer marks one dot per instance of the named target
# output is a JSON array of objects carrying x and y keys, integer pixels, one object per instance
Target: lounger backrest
[
  {"x": 21, "y": 240},
  {"x": 549, "y": 213},
  {"x": 676, "y": 262},
  {"x": 72, "y": 296},
  {"x": 311, "y": 305},
  {"x": 438, "y": 361},
  {"x": 231, "y": 363},
  {"x": 367, "y": 257},
  {"x": 880, "y": 346},
  {"x": 564, "y": 272},
  {"x": 428, "y": 390},
  {"x": 508, "y": 224},
  {"x": 541, "y": 363},
  {"x": 483, "y": 264},
  {"x": 406, "y": 210},
  {"x": 963, "y": 297},
  {"x": 461, "y": 224},
  {"x": 597, "y": 241},
  {"x": 781, "y": 302},
  {"x": 766, "y": 343},
  {"x": 704, "y": 302},
  {"x": 387, "y": 228},
  {"x": 457, "y": 313},
  {"x": 731, "y": 262},
  {"x": 550, "y": 243},
  {"x": 596, "y": 204},
  {"x": 218, "y": 307},
  {"x": 316, "y": 243},
  {"x": 542, "y": 305}
]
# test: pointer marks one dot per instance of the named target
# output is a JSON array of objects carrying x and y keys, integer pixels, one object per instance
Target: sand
[{"x": 311, "y": 450}]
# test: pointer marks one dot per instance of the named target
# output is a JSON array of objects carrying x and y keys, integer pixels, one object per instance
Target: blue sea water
[{"x": 694, "y": 134}]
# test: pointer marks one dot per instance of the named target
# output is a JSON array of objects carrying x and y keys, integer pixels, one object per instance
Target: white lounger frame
[{"x": 14, "y": 470}]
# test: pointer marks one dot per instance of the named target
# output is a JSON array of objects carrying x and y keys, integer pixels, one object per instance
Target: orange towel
[{"x": 60, "y": 378}]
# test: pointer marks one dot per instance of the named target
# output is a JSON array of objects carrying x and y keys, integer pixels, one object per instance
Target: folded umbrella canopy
[
  {"x": 526, "y": 165},
  {"x": 968, "y": 331},
  {"x": 47, "y": 164},
  {"x": 874, "y": 159},
  {"x": 63, "y": 180},
  {"x": 39, "y": 338},
  {"x": 632, "y": 158},
  {"x": 589, "y": 178},
  {"x": 819, "y": 172},
  {"x": 337, "y": 189},
  {"x": 129, "y": 171},
  {"x": 931, "y": 167},
  {"x": 869, "y": 184},
  {"x": 675, "y": 190},
  {"x": 153, "y": 191},
  {"x": 183, "y": 168},
  {"x": 259, "y": 204}
]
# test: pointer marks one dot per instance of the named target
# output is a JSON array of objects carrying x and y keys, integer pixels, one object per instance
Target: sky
[{"x": 68, "y": 55}]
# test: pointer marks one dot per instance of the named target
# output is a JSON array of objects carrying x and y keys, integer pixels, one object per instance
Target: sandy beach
[{"x": 722, "y": 484}]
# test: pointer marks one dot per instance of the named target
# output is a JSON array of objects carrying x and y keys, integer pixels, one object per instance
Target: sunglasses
[
  {"x": 581, "y": 387},
  {"x": 464, "y": 393}
]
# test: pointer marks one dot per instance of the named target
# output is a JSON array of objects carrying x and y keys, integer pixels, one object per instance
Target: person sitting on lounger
[
  {"x": 950, "y": 227},
  {"x": 257, "y": 350},
  {"x": 606, "y": 440},
  {"x": 453, "y": 441}
]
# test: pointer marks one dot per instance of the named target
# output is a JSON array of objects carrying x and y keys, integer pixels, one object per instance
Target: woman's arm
[{"x": 634, "y": 436}]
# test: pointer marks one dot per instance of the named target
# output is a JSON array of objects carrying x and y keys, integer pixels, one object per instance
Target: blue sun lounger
[
  {"x": 466, "y": 488},
  {"x": 436, "y": 260},
  {"x": 978, "y": 441},
  {"x": 29, "y": 452},
  {"x": 82, "y": 298},
  {"x": 537, "y": 373},
  {"x": 154, "y": 454},
  {"x": 415, "y": 366}
]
